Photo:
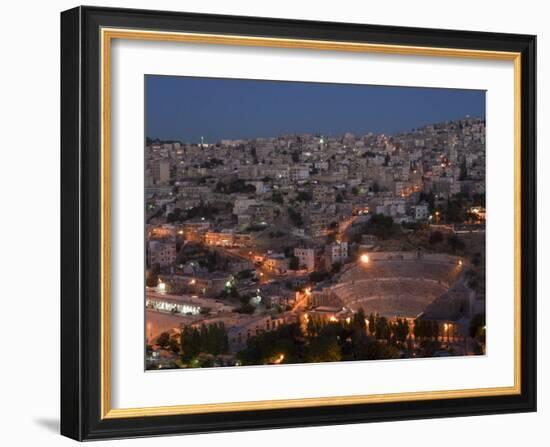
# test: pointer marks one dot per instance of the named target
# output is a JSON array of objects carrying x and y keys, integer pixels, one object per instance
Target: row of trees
[
  {"x": 211, "y": 339},
  {"x": 426, "y": 329},
  {"x": 196, "y": 347},
  {"x": 346, "y": 340},
  {"x": 357, "y": 338},
  {"x": 394, "y": 332}
]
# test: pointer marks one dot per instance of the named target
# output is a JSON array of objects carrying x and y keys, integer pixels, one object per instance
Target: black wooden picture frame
[{"x": 82, "y": 414}]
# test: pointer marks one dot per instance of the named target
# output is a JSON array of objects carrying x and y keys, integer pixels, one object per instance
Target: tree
[
  {"x": 455, "y": 243},
  {"x": 372, "y": 324},
  {"x": 208, "y": 339},
  {"x": 173, "y": 344},
  {"x": 359, "y": 323},
  {"x": 456, "y": 211},
  {"x": 244, "y": 274},
  {"x": 436, "y": 237},
  {"x": 220, "y": 187},
  {"x": 429, "y": 198},
  {"x": 400, "y": 329},
  {"x": 277, "y": 197},
  {"x": 318, "y": 276},
  {"x": 263, "y": 348},
  {"x": 463, "y": 170},
  {"x": 434, "y": 326},
  {"x": 295, "y": 217},
  {"x": 246, "y": 308},
  {"x": 477, "y": 327},
  {"x": 163, "y": 339},
  {"x": 304, "y": 196},
  {"x": 382, "y": 329},
  {"x": 322, "y": 349},
  {"x": 425, "y": 329},
  {"x": 152, "y": 278},
  {"x": 418, "y": 329},
  {"x": 190, "y": 343},
  {"x": 479, "y": 199},
  {"x": 381, "y": 226},
  {"x": 254, "y": 155},
  {"x": 294, "y": 263}
]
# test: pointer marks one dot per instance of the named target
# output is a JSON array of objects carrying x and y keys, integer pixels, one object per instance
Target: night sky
[{"x": 186, "y": 108}]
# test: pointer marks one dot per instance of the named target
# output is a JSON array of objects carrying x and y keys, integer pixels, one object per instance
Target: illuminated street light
[
  {"x": 193, "y": 282},
  {"x": 364, "y": 258}
]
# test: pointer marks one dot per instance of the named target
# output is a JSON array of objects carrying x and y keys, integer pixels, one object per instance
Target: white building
[
  {"x": 336, "y": 252},
  {"x": 241, "y": 205},
  {"x": 163, "y": 253},
  {"x": 299, "y": 172},
  {"x": 391, "y": 207},
  {"x": 420, "y": 211},
  {"x": 277, "y": 262},
  {"x": 306, "y": 258},
  {"x": 161, "y": 171}
]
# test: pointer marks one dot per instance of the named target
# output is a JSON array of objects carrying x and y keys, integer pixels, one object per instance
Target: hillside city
[{"x": 315, "y": 248}]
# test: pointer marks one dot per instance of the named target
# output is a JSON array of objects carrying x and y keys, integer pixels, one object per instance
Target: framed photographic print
[{"x": 275, "y": 223}]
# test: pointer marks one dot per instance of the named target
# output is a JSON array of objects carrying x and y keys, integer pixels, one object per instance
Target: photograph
[{"x": 296, "y": 222}]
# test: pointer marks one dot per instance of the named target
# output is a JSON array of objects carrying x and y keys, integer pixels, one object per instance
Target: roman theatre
[{"x": 402, "y": 284}]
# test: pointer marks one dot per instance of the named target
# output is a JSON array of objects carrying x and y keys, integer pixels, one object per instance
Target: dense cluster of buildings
[{"x": 258, "y": 216}]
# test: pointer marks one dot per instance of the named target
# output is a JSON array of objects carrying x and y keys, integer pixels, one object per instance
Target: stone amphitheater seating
[
  {"x": 389, "y": 297},
  {"x": 397, "y": 288},
  {"x": 446, "y": 273}
]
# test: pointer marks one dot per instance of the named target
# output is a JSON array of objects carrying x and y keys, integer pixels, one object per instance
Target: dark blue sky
[{"x": 186, "y": 108}]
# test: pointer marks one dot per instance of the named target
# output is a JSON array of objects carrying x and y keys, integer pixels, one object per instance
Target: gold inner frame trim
[{"x": 107, "y": 35}]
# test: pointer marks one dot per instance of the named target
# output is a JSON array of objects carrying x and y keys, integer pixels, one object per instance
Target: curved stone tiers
[{"x": 398, "y": 288}]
